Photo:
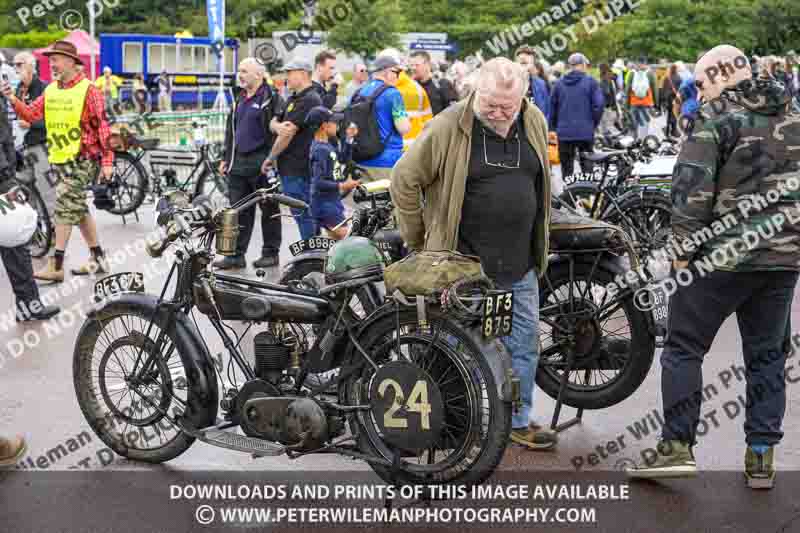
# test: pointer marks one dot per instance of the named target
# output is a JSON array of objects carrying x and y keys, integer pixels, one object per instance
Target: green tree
[{"x": 368, "y": 27}]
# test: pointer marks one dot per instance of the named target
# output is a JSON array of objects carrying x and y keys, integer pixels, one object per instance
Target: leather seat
[
  {"x": 570, "y": 231},
  {"x": 599, "y": 157}
]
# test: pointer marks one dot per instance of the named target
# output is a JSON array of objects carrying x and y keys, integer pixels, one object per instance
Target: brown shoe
[
  {"x": 541, "y": 439},
  {"x": 97, "y": 265},
  {"x": 49, "y": 273},
  {"x": 12, "y": 450}
]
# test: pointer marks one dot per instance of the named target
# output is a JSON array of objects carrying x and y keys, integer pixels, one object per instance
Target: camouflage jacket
[{"x": 736, "y": 184}]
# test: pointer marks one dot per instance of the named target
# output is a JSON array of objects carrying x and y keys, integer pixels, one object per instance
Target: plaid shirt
[{"x": 94, "y": 125}]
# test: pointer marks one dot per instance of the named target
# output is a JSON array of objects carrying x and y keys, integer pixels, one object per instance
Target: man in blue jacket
[
  {"x": 538, "y": 92},
  {"x": 576, "y": 107}
]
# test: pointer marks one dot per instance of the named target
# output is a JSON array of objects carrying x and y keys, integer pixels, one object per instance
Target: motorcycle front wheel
[{"x": 126, "y": 409}]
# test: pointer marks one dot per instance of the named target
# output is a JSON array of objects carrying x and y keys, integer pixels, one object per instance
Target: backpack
[
  {"x": 640, "y": 84},
  {"x": 361, "y": 111}
]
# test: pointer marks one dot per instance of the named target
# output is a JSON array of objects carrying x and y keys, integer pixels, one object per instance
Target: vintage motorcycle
[
  {"x": 597, "y": 346},
  {"x": 423, "y": 401}
]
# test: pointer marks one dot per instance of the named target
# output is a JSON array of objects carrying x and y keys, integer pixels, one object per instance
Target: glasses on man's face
[
  {"x": 397, "y": 71},
  {"x": 19, "y": 65}
]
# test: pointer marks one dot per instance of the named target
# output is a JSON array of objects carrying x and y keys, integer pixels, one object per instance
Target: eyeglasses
[
  {"x": 503, "y": 164},
  {"x": 19, "y": 65},
  {"x": 397, "y": 71}
]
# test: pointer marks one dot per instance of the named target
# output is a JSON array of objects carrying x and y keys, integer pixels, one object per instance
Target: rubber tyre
[
  {"x": 82, "y": 372},
  {"x": 642, "y": 345},
  {"x": 578, "y": 191},
  {"x": 43, "y": 238},
  {"x": 137, "y": 192},
  {"x": 650, "y": 199},
  {"x": 497, "y": 436}
]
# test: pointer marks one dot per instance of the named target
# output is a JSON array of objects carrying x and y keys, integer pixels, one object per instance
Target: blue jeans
[
  {"x": 299, "y": 187},
  {"x": 523, "y": 343}
]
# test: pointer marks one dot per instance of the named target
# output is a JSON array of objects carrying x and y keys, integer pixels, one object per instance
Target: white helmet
[
  {"x": 17, "y": 222},
  {"x": 720, "y": 68}
]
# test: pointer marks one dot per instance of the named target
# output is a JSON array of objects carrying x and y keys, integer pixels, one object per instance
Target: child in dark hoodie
[{"x": 326, "y": 164}]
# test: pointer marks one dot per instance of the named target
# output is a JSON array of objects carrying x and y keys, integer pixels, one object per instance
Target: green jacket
[
  {"x": 736, "y": 184},
  {"x": 436, "y": 166}
]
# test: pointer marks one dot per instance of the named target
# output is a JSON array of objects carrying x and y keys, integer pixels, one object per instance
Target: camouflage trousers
[{"x": 72, "y": 180}]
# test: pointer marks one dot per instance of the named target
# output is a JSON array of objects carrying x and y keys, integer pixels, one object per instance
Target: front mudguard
[
  {"x": 201, "y": 381},
  {"x": 497, "y": 357}
]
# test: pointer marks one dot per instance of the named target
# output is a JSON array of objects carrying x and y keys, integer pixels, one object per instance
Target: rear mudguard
[
  {"x": 497, "y": 357},
  {"x": 203, "y": 393},
  {"x": 610, "y": 263},
  {"x": 309, "y": 255}
]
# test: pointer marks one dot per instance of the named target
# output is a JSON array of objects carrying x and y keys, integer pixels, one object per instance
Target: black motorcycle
[
  {"x": 597, "y": 346},
  {"x": 425, "y": 402}
]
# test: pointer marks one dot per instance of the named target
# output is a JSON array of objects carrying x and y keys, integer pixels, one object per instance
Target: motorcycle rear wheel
[{"x": 477, "y": 420}]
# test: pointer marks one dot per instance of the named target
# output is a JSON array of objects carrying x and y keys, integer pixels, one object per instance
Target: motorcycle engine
[{"x": 271, "y": 357}]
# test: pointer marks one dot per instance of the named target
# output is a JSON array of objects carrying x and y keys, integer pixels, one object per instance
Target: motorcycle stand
[
  {"x": 395, "y": 468},
  {"x": 578, "y": 418}
]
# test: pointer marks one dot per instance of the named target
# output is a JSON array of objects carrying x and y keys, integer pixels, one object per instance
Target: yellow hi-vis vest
[
  {"x": 418, "y": 107},
  {"x": 62, "y": 118}
]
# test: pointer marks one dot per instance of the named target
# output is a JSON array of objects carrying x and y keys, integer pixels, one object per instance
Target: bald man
[
  {"x": 483, "y": 170},
  {"x": 736, "y": 174},
  {"x": 248, "y": 141}
]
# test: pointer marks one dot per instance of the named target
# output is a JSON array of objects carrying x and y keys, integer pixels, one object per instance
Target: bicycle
[
  {"x": 132, "y": 182},
  {"x": 43, "y": 236}
]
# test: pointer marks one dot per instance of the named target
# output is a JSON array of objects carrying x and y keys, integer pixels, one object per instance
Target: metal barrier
[{"x": 178, "y": 129}]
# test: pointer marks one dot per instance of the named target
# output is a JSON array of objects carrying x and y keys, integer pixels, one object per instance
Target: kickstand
[
  {"x": 554, "y": 425},
  {"x": 395, "y": 469}
]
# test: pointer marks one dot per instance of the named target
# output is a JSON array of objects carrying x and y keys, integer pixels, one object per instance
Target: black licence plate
[
  {"x": 120, "y": 283},
  {"x": 314, "y": 243},
  {"x": 498, "y": 313}
]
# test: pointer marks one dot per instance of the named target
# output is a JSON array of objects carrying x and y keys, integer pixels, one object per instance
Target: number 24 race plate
[
  {"x": 314, "y": 243},
  {"x": 498, "y": 312},
  {"x": 107, "y": 287}
]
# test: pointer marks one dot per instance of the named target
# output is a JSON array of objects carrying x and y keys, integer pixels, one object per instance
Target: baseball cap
[
  {"x": 297, "y": 64},
  {"x": 384, "y": 62},
  {"x": 320, "y": 114},
  {"x": 578, "y": 59}
]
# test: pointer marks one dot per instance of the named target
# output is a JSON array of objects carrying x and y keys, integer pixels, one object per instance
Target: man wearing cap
[
  {"x": 744, "y": 146},
  {"x": 390, "y": 112},
  {"x": 248, "y": 140},
  {"x": 576, "y": 108},
  {"x": 415, "y": 99},
  {"x": 78, "y": 142},
  {"x": 293, "y": 145}
]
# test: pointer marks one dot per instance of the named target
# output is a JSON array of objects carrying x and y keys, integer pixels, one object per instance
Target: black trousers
[
  {"x": 244, "y": 178},
  {"x": 17, "y": 262},
  {"x": 567, "y": 150},
  {"x": 762, "y": 302}
]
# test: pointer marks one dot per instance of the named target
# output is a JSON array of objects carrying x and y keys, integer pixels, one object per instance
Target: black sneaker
[
  {"x": 266, "y": 261},
  {"x": 228, "y": 263},
  {"x": 42, "y": 312}
]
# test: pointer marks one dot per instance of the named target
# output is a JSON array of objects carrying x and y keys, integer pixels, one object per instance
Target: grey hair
[
  {"x": 259, "y": 65},
  {"x": 502, "y": 72},
  {"x": 27, "y": 58}
]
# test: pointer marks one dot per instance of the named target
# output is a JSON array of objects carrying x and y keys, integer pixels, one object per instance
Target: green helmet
[{"x": 353, "y": 258}]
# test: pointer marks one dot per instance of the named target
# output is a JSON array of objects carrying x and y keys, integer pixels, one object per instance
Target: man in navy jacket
[
  {"x": 576, "y": 107},
  {"x": 538, "y": 91}
]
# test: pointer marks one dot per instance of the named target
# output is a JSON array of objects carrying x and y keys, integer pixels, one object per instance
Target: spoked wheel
[
  {"x": 213, "y": 185},
  {"x": 647, "y": 219},
  {"x": 131, "y": 179},
  {"x": 43, "y": 236},
  {"x": 133, "y": 412},
  {"x": 475, "y": 421},
  {"x": 608, "y": 336}
]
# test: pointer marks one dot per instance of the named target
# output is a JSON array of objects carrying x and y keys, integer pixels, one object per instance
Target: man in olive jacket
[{"x": 486, "y": 190}]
